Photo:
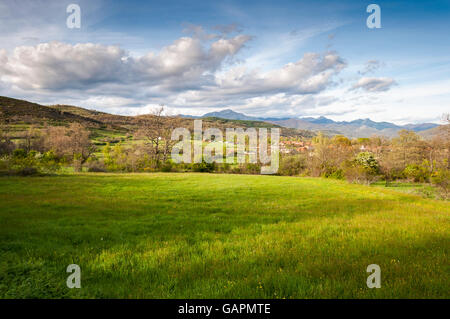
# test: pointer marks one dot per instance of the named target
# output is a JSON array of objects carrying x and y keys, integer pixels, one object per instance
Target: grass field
[{"x": 218, "y": 236}]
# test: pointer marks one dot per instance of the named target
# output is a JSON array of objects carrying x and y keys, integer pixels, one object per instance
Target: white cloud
[
  {"x": 311, "y": 74},
  {"x": 187, "y": 73},
  {"x": 185, "y": 63},
  {"x": 56, "y": 65},
  {"x": 374, "y": 84}
]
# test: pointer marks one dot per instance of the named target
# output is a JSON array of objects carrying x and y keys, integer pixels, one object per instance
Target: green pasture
[{"x": 168, "y": 235}]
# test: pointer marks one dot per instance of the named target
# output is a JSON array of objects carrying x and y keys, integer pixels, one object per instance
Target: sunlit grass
[{"x": 218, "y": 236}]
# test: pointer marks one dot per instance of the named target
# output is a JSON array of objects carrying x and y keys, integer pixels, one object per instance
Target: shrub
[
  {"x": 48, "y": 162},
  {"x": 4, "y": 165},
  {"x": 29, "y": 163},
  {"x": 19, "y": 153},
  {"x": 291, "y": 165},
  {"x": 354, "y": 173},
  {"x": 204, "y": 167},
  {"x": 417, "y": 173},
  {"x": 368, "y": 162},
  {"x": 224, "y": 168},
  {"x": 441, "y": 179},
  {"x": 167, "y": 166},
  {"x": 362, "y": 169},
  {"x": 27, "y": 171},
  {"x": 251, "y": 168},
  {"x": 77, "y": 162},
  {"x": 6, "y": 146},
  {"x": 337, "y": 174},
  {"x": 96, "y": 166},
  {"x": 22, "y": 162}
]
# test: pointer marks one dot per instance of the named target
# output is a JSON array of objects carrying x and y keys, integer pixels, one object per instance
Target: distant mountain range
[
  {"x": 232, "y": 115},
  {"x": 356, "y": 128}
]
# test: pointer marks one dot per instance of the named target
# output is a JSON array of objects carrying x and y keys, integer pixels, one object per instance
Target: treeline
[
  {"x": 44, "y": 151},
  {"x": 364, "y": 160}
]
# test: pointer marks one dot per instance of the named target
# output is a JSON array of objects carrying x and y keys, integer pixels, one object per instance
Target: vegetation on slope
[{"x": 13, "y": 111}]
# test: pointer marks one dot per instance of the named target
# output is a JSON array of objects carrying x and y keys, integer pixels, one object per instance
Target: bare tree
[
  {"x": 72, "y": 142},
  {"x": 81, "y": 146},
  {"x": 156, "y": 129},
  {"x": 29, "y": 138},
  {"x": 408, "y": 148},
  {"x": 446, "y": 130},
  {"x": 6, "y": 145}
]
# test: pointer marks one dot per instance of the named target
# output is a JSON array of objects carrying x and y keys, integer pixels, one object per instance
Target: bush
[
  {"x": 25, "y": 163},
  {"x": 204, "y": 167},
  {"x": 224, "y": 168},
  {"x": 337, "y": 174},
  {"x": 96, "y": 166},
  {"x": 291, "y": 165},
  {"x": 48, "y": 162},
  {"x": 19, "y": 153},
  {"x": 362, "y": 169},
  {"x": 441, "y": 179},
  {"x": 417, "y": 173},
  {"x": 4, "y": 165},
  {"x": 251, "y": 168},
  {"x": 167, "y": 167},
  {"x": 27, "y": 171},
  {"x": 367, "y": 161},
  {"x": 354, "y": 173},
  {"x": 6, "y": 147}
]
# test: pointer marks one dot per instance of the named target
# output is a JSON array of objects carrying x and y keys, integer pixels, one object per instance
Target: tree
[
  {"x": 442, "y": 180},
  {"x": 446, "y": 135},
  {"x": 29, "y": 137},
  {"x": 81, "y": 146},
  {"x": 329, "y": 155},
  {"x": 408, "y": 148},
  {"x": 71, "y": 142},
  {"x": 156, "y": 129},
  {"x": 6, "y": 145},
  {"x": 368, "y": 162},
  {"x": 321, "y": 158},
  {"x": 363, "y": 168}
]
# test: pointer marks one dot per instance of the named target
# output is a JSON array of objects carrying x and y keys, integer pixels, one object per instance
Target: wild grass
[
  {"x": 169, "y": 235},
  {"x": 425, "y": 190}
]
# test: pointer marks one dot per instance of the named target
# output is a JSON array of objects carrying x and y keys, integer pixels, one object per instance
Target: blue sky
[{"x": 262, "y": 58}]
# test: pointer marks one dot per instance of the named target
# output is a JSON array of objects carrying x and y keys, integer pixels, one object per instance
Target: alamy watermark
[
  {"x": 74, "y": 279},
  {"x": 374, "y": 280},
  {"x": 74, "y": 19},
  {"x": 374, "y": 20},
  {"x": 249, "y": 145}
]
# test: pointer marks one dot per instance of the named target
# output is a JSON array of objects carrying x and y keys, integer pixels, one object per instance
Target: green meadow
[{"x": 168, "y": 235}]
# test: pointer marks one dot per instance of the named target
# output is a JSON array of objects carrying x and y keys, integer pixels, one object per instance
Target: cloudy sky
[{"x": 263, "y": 58}]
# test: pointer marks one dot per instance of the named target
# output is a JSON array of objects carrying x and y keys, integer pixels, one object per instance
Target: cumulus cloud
[
  {"x": 202, "y": 71},
  {"x": 189, "y": 72},
  {"x": 311, "y": 74},
  {"x": 187, "y": 59},
  {"x": 374, "y": 84},
  {"x": 59, "y": 65}
]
